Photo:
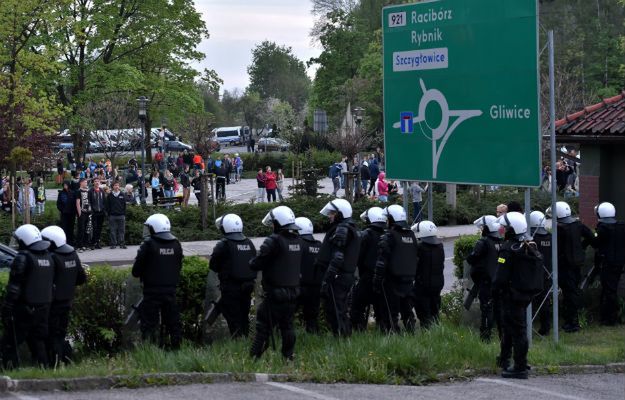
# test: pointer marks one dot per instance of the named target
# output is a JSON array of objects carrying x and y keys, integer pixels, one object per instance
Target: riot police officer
[
  {"x": 573, "y": 238},
  {"x": 279, "y": 259},
  {"x": 231, "y": 261},
  {"x": 28, "y": 296},
  {"x": 483, "y": 261},
  {"x": 311, "y": 276},
  {"x": 610, "y": 257},
  {"x": 542, "y": 302},
  {"x": 68, "y": 273},
  {"x": 395, "y": 270},
  {"x": 519, "y": 277},
  {"x": 338, "y": 257},
  {"x": 363, "y": 295},
  {"x": 157, "y": 265},
  {"x": 429, "y": 279}
]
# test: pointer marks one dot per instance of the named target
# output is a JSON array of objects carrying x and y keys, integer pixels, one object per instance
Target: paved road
[{"x": 571, "y": 387}]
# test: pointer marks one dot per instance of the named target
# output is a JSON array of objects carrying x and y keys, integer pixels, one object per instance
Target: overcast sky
[{"x": 236, "y": 26}]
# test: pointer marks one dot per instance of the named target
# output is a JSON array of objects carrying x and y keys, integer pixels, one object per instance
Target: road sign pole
[
  {"x": 430, "y": 202},
  {"x": 554, "y": 221},
  {"x": 528, "y": 311},
  {"x": 404, "y": 186}
]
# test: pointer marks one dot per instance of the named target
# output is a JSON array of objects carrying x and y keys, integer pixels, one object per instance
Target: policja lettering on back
[
  {"x": 279, "y": 259},
  {"x": 311, "y": 276},
  {"x": 158, "y": 264},
  {"x": 68, "y": 273},
  {"x": 231, "y": 261},
  {"x": 26, "y": 305},
  {"x": 363, "y": 295}
]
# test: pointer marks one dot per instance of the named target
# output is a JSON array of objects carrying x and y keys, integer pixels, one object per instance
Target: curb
[{"x": 165, "y": 379}]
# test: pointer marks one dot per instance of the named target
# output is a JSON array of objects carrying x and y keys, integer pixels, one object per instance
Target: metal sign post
[
  {"x": 554, "y": 221},
  {"x": 528, "y": 312}
]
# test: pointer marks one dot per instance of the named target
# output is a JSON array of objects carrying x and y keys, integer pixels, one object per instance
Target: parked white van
[{"x": 231, "y": 135}]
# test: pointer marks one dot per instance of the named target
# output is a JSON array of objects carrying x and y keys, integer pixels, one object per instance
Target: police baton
[
  {"x": 273, "y": 341},
  {"x": 17, "y": 353},
  {"x": 388, "y": 309},
  {"x": 336, "y": 310}
]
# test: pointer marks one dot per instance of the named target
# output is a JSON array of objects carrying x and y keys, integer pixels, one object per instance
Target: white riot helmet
[
  {"x": 340, "y": 206},
  {"x": 55, "y": 235},
  {"x": 537, "y": 222},
  {"x": 374, "y": 216},
  {"x": 490, "y": 223},
  {"x": 395, "y": 213},
  {"x": 281, "y": 217},
  {"x": 606, "y": 212},
  {"x": 304, "y": 225},
  {"x": 29, "y": 236},
  {"x": 230, "y": 225},
  {"x": 159, "y": 225},
  {"x": 563, "y": 212},
  {"x": 426, "y": 231},
  {"x": 516, "y": 223}
]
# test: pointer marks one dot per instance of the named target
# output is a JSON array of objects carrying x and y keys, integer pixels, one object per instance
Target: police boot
[
  {"x": 514, "y": 373},
  {"x": 503, "y": 363}
]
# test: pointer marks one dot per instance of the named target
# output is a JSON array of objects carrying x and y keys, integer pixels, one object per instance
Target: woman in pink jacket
[{"x": 382, "y": 188}]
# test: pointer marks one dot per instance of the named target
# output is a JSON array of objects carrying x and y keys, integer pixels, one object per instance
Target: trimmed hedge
[{"x": 101, "y": 305}]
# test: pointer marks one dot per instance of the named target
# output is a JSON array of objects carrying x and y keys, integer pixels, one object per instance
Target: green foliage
[
  {"x": 191, "y": 294},
  {"x": 462, "y": 248},
  {"x": 452, "y": 305},
  {"x": 275, "y": 72},
  {"x": 98, "y": 310}
]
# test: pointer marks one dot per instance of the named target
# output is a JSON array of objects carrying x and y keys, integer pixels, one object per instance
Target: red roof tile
[{"x": 604, "y": 118}]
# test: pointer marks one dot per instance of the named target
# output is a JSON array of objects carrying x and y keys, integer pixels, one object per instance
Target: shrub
[
  {"x": 191, "y": 294},
  {"x": 462, "y": 248}
]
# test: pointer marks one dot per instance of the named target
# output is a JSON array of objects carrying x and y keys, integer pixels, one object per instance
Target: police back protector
[
  {"x": 162, "y": 269},
  {"x": 38, "y": 285},
  {"x": 285, "y": 269},
  {"x": 527, "y": 277},
  {"x": 351, "y": 250},
  {"x": 430, "y": 271},
  {"x": 612, "y": 249},
  {"x": 403, "y": 259},
  {"x": 311, "y": 273},
  {"x": 571, "y": 239},
  {"x": 66, "y": 275},
  {"x": 369, "y": 241},
  {"x": 487, "y": 265},
  {"x": 241, "y": 252}
]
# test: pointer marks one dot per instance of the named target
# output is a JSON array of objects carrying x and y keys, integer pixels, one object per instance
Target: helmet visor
[
  {"x": 146, "y": 232},
  {"x": 329, "y": 209},
  {"x": 14, "y": 244},
  {"x": 218, "y": 222},
  {"x": 268, "y": 220}
]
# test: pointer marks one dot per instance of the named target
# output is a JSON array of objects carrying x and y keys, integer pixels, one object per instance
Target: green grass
[{"x": 364, "y": 358}]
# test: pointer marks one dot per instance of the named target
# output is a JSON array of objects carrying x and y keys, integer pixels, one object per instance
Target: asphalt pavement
[{"x": 556, "y": 387}]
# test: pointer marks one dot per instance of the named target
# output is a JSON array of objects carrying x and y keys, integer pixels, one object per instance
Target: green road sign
[{"x": 461, "y": 92}]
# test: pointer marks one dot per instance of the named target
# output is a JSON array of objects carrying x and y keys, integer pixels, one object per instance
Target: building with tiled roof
[{"x": 599, "y": 131}]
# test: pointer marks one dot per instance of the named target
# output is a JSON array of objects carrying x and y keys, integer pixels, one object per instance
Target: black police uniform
[
  {"x": 68, "y": 273},
  {"x": 573, "y": 238},
  {"x": 310, "y": 283},
  {"x": 279, "y": 259},
  {"x": 158, "y": 265},
  {"x": 363, "y": 295},
  {"x": 483, "y": 261},
  {"x": 394, "y": 274},
  {"x": 27, "y": 304},
  {"x": 610, "y": 255},
  {"x": 542, "y": 302},
  {"x": 231, "y": 261},
  {"x": 429, "y": 280},
  {"x": 519, "y": 277},
  {"x": 338, "y": 257}
]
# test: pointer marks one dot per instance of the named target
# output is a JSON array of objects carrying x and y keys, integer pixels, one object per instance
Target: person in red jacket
[
  {"x": 382, "y": 188},
  {"x": 270, "y": 185}
]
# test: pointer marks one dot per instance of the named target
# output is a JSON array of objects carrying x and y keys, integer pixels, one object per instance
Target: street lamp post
[
  {"x": 143, "y": 114},
  {"x": 358, "y": 116}
]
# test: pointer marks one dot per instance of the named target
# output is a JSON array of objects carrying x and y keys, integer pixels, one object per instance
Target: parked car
[
  {"x": 273, "y": 144},
  {"x": 176, "y": 145}
]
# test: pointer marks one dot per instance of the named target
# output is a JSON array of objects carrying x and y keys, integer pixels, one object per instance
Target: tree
[
  {"x": 276, "y": 73},
  {"x": 253, "y": 109},
  {"x": 197, "y": 130}
]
